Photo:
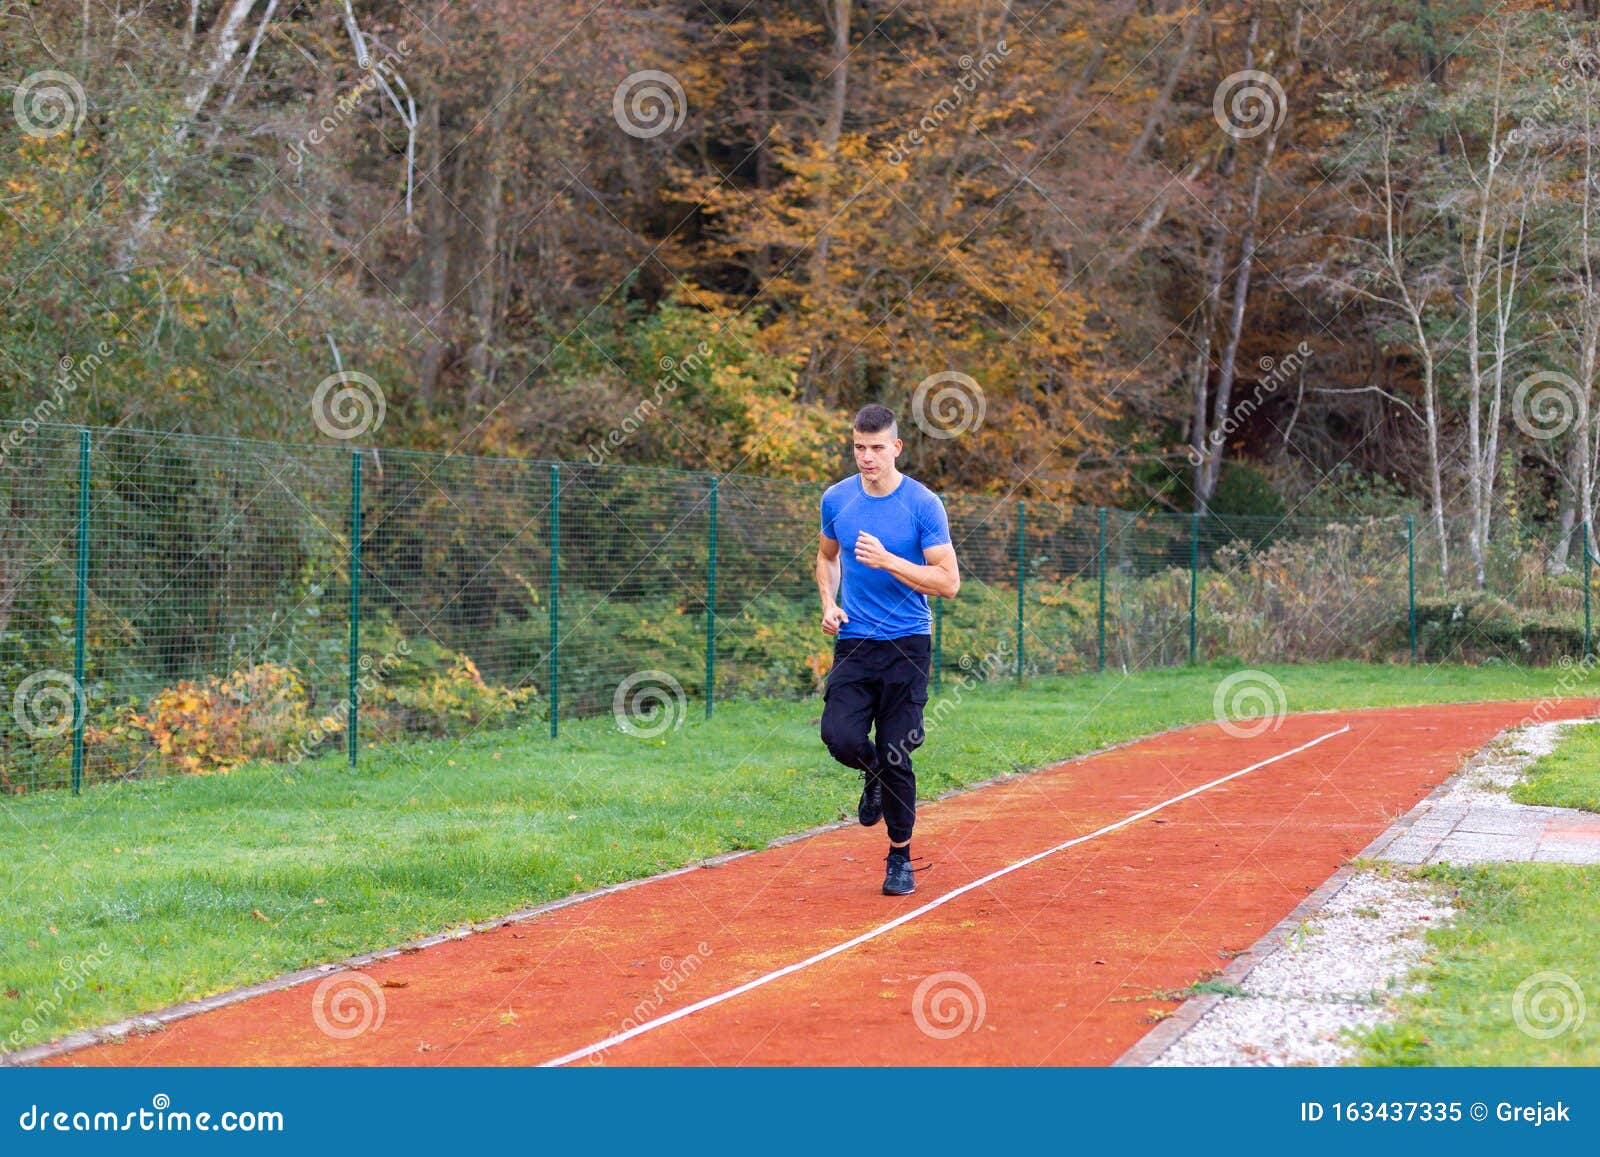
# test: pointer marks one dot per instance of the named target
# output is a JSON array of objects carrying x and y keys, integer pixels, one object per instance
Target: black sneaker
[
  {"x": 898, "y": 880},
  {"x": 870, "y": 808}
]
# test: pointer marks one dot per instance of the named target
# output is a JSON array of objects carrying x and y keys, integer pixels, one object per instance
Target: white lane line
[{"x": 873, "y": 934}]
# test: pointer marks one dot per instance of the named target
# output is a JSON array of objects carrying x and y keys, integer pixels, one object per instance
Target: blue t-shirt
[{"x": 907, "y": 520}]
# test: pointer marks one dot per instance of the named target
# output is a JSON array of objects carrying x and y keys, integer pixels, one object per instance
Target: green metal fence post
[
  {"x": 1101, "y": 555},
  {"x": 1411, "y": 581},
  {"x": 555, "y": 599},
  {"x": 1022, "y": 576},
  {"x": 711, "y": 607},
  {"x": 938, "y": 625},
  {"x": 1586, "y": 648},
  {"x": 80, "y": 646},
  {"x": 352, "y": 737},
  {"x": 1194, "y": 579}
]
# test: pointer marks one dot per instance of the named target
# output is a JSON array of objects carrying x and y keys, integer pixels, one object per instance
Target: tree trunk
[
  {"x": 436, "y": 258},
  {"x": 485, "y": 285},
  {"x": 1102, "y": 48},
  {"x": 832, "y": 127},
  {"x": 1163, "y": 101},
  {"x": 226, "y": 38},
  {"x": 1211, "y": 467}
]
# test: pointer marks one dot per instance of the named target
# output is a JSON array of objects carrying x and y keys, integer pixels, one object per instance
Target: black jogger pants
[{"x": 882, "y": 684}]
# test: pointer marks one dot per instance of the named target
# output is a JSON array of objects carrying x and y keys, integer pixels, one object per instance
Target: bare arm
[
  {"x": 828, "y": 576},
  {"x": 939, "y": 576}
]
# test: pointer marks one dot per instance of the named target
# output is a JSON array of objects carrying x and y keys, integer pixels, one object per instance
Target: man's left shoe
[
  {"x": 870, "y": 808},
  {"x": 898, "y": 880}
]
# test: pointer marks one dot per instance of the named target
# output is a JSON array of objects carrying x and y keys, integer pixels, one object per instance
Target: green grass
[
  {"x": 1569, "y": 776},
  {"x": 136, "y": 896},
  {"x": 1518, "y": 923},
  {"x": 1520, "y": 926}
]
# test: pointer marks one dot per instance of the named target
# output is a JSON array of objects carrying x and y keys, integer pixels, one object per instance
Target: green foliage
[
  {"x": 1475, "y": 626},
  {"x": 1245, "y": 489},
  {"x": 1519, "y": 952},
  {"x": 693, "y": 387},
  {"x": 435, "y": 691},
  {"x": 1569, "y": 776}
]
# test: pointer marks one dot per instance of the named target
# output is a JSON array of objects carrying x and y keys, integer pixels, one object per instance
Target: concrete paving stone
[
  {"x": 1472, "y": 848},
  {"x": 1409, "y": 850},
  {"x": 1567, "y": 852},
  {"x": 1430, "y": 831},
  {"x": 1504, "y": 821}
]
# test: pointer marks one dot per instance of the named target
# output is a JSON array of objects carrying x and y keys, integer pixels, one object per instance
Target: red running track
[{"x": 1055, "y": 963}]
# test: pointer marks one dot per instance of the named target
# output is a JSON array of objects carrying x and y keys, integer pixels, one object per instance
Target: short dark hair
[{"x": 871, "y": 419}]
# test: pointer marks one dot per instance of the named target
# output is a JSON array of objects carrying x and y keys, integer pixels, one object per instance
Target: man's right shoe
[{"x": 870, "y": 808}]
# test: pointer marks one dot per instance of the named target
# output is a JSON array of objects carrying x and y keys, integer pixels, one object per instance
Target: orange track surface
[{"x": 1064, "y": 951}]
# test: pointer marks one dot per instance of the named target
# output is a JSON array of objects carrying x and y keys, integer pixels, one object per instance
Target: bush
[
  {"x": 427, "y": 689},
  {"x": 1475, "y": 627},
  {"x": 256, "y": 712}
]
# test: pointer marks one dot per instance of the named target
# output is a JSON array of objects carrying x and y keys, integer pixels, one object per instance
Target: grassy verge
[
  {"x": 1569, "y": 776},
  {"x": 1511, "y": 981},
  {"x": 135, "y": 896},
  {"x": 1506, "y": 980}
]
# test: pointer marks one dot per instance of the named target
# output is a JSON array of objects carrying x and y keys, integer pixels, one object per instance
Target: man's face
[{"x": 875, "y": 453}]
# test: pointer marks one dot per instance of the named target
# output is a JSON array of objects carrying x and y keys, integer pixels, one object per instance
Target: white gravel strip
[
  {"x": 1332, "y": 974},
  {"x": 1501, "y": 765},
  {"x": 1338, "y": 974}
]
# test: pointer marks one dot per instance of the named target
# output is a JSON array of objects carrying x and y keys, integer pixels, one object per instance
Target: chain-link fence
[{"x": 180, "y": 603}]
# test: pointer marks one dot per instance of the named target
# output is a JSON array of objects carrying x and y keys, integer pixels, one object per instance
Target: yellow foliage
[{"x": 217, "y": 723}]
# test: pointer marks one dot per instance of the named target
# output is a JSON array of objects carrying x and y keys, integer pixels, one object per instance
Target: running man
[{"x": 899, "y": 552}]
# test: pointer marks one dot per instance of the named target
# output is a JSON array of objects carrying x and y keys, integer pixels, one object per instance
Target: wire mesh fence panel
[
  {"x": 1291, "y": 590},
  {"x": 1529, "y": 608},
  {"x": 635, "y": 560},
  {"x": 1147, "y": 589},
  {"x": 455, "y": 595},
  {"x": 768, "y": 638},
  {"x": 39, "y": 500},
  {"x": 978, "y": 629},
  {"x": 1061, "y": 593},
  {"x": 218, "y": 612}
]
